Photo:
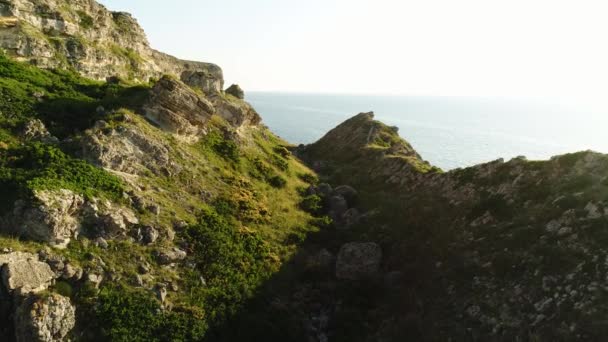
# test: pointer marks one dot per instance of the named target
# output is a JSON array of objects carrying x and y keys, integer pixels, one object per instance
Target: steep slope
[
  {"x": 168, "y": 208},
  {"x": 499, "y": 251},
  {"x": 85, "y": 36}
]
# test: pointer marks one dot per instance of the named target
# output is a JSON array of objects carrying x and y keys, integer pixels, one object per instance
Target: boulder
[
  {"x": 337, "y": 207},
  {"x": 35, "y": 130},
  {"x": 236, "y": 91},
  {"x": 127, "y": 149},
  {"x": 208, "y": 82},
  {"x": 236, "y": 112},
  {"x": 149, "y": 235},
  {"x": 177, "y": 109},
  {"x": 23, "y": 273},
  {"x": 358, "y": 260},
  {"x": 348, "y": 192},
  {"x": 44, "y": 318},
  {"x": 52, "y": 216},
  {"x": 170, "y": 256},
  {"x": 350, "y": 217}
]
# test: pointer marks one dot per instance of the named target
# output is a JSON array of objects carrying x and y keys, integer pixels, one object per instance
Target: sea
[{"x": 449, "y": 132}]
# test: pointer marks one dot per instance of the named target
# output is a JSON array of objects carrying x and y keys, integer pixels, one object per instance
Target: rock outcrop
[
  {"x": 176, "y": 108},
  {"x": 44, "y": 319},
  {"x": 236, "y": 91},
  {"x": 23, "y": 273},
  {"x": 57, "y": 216},
  {"x": 128, "y": 149},
  {"x": 52, "y": 216},
  {"x": 84, "y": 35}
]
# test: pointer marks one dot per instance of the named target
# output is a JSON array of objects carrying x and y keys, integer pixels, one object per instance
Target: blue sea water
[{"x": 449, "y": 132}]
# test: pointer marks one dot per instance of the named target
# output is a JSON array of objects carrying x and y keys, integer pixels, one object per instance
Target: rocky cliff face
[{"x": 84, "y": 35}]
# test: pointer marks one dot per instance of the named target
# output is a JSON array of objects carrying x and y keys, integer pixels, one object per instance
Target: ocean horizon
[{"x": 449, "y": 132}]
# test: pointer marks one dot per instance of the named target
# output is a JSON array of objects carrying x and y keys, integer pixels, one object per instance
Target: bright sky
[{"x": 426, "y": 47}]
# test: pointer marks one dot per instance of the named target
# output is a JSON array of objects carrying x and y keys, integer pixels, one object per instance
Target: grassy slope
[{"x": 237, "y": 238}]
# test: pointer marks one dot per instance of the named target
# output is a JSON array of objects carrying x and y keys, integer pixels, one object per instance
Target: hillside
[{"x": 142, "y": 201}]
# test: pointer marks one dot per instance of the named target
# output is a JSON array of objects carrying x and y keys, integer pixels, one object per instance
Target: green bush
[
  {"x": 277, "y": 182},
  {"x": 308, "y": 178},
  {"x": 37, "y": 166},
  {"x": 123, "y": 315},
  {"x": 312, "y": 204},
  {"x": 233, "y": 260}
]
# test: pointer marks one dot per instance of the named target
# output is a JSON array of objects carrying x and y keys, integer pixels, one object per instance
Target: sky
[{"x": 424, "y": 47}]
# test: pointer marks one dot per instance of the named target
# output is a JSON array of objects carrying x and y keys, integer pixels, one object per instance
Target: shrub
[
  {"x": 277, "y": 182},
  {"x": 308, "y": 178},
  {"x": 233, "y": 260},
  {"x": 312, "y": 204}
]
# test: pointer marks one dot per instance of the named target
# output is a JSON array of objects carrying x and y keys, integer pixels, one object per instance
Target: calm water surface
[{"x": 449, "y": 132}]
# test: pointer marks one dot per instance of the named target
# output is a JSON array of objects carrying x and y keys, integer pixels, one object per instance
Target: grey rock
[
  {"x": 348, "y": 192},
  {"x": 236, "y": 91},
  {"x": 23, "y": 273},
  {"x": 44, "y": 319},
  {"x": 177, "y": 109},
  {"x": 170, "y": 256},
  {"x": 324, "y": 190},
  {"x": 358, "y": 260},
  {"x": 149, "y": 235},
  {"x": 161, "y": 292},
  {"x": 101, "y": 243},
  {"x": 208, "y": 82},
  {"x": 35, "y": 130}
]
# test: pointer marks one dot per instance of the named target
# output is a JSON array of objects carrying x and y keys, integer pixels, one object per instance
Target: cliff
[{"x": 85, "y": 36}]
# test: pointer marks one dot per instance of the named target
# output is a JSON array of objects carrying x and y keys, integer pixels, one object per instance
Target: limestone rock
[
  {"x": 23, "y": 273},
  {"x": 44, "y": 318},
  {"x": 169, "y": 256},
  {"x": 52, "y": 217},
  {"x": 236, "y": 112},
  {"x": 358, "y": 260},
  {"x": 208, "y": 82},
  {"x": 129, "y": 150},
  {"x": 87, "y": 37},
  {"x": 176, "y": 108},
  {"x": 236, "y": 91},
  {"x": 35, "y": 130}
]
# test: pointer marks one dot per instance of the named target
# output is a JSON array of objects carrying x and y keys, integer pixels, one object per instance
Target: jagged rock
[
  {"x": 129, "y": 150},
  {"x": 109, "y": 220},
  {"x": 358, "y": 260},
  {"x": 236, "y": 91},
  {"x": 72, "y": 272},
  {"x": 170, "y": 256},
  {"x": 161, "y": 292},
  {"x": 236, "y": 112},
  {"x": 177, "y": 109},
  {"x": 348, "y": 192},
  {"x": 101, "y": 243},
  {"x": 154, "y": 209},
  {"x": 23, "y": 273},
  {"x": 52, "y": 216},
  {"x": 593, "y": 212},
  {"x": 94, "y": 279},
  {"x": 149, "y": 235},
  {"x": 35, "y": 130},
  {"x": 208, "y": 82},
  {"x": 44, "y": 318}
]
